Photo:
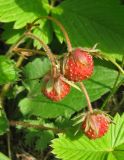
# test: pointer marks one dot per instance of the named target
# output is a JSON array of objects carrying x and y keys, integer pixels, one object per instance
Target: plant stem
[
  {"x": 3, "y": 93},
  {"x": 9, "y": 145},
  {"x": 10, "y": 53},
  {"x": 47, "y": 155},
  {"x": 102, "y": 56},
  {"x": 118, "y": 66},
  {"x": 112, "y": 92},
  {"x": 28, "y": 52},
  {"x": 122, "y": 101},
  {"x": 28, "y": 125},
  {"x": 20, "y": 60},
  {"x": 46, "y": 48},
  {"x": 115, "y": 87},
  {"x": 69, "y": 46},
  {"x": 87, "y": 97}
]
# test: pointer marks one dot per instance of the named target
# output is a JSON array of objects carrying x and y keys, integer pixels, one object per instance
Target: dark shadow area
[
  {"x": 122, "y": 2},
  {"x": 104, "y": 63}
]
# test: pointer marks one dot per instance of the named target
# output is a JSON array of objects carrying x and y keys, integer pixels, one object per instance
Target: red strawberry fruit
[
  {"x": 55, "y": 88},
  {"x": 79, "y": 65},
  {"x": 96, "y": 124}
]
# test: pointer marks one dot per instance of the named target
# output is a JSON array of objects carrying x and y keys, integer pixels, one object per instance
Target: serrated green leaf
[
  {"x": 8, "y": 71},
  {"x": 37, "y": 68},
  {"x": 32, "y": 86},
  {"x": 111, "y": 157},
  {"x": 44, "y": 33},
  {"x": 76, "y": 148},
  {"x": 92, "y": 21},
  {"x": 38, "y": 139},
  {"x": 117, "y": 132},
  {"x": 3, "y": 157},
  {"x": 101, "y": 82},
  {"x": 21, "y": 11},
  {"x": 44, "y": 140}
]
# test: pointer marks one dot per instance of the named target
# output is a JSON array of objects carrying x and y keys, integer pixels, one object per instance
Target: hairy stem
[
  {"x": 112, "y": 92},
  {"x": 28, "y": 52},
  {"x": 120, "y": 68},
  {"x": 102, "y": 56},
  {"x": 115, "y": 87},
  {"x": 4, "y": 90},
  {"x": 87, "y": 97},
  {"x": 9, "y": 145},
  {"x": 46, "y": 48},
  {"x": 69, "y": 46},
  {"x": 10, "y": 51},
  {"x": 27, "y": 125},
  {"x": 31, "y": 52}
]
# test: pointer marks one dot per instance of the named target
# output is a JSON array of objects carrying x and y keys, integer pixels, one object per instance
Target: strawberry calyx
[
  {"x": 96, "y": 124},
  {"x": 54, "y": 87}
]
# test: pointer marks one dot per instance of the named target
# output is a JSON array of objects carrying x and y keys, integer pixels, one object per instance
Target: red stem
[
  {"x": 87, "y": 97},
  {"x": 61, "y": 27},
  {"x": 47, "y": 50}
]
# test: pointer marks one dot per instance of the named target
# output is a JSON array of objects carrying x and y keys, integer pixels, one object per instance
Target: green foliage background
[{"x": 87, "y": 22}]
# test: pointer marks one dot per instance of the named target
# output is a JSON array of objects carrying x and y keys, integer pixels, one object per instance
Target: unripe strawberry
[
  {"x": 95, "y": 124},
  {"x": 79, "y": 65},
  {"x": 55, "y": 88}
]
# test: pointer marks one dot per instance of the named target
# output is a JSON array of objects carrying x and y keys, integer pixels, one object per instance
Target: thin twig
[
  {"x": 115, "y": 87},
  {"x": 28, "y": 52},
  {"x": 122, "y": 101},
  {"x": 9, "y": 145},
  {"x": 47, "y": 155},
  {"x": 120, "y": 68},
  {"x": 112, "y": 92},
  {"x": 4, "y": 90},
  {"x": 31, "y": 52},
  {"x": 10, "y": 51},
  {"x": 87, "y": 97},
  {"x": 19, "y": 61},
  {"x": 28, "y": 125}
]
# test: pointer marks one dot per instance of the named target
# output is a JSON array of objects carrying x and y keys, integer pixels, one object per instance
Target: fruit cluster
[{"x": 77, "y": 66}]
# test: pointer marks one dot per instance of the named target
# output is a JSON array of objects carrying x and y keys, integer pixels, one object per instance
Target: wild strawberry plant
[{"x": 63, "y": 67}]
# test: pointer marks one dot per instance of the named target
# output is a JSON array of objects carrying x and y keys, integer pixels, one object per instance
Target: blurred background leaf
[{"x": 89, "y": 22}]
